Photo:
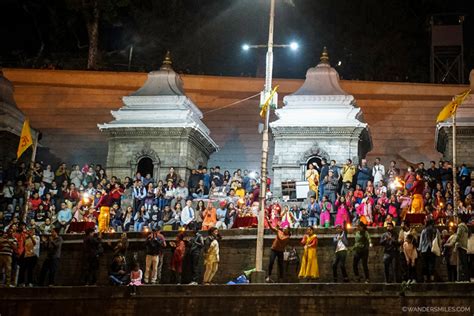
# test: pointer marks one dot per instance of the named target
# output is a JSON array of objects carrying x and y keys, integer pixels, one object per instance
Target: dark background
[{"x": 386, "y": 40}]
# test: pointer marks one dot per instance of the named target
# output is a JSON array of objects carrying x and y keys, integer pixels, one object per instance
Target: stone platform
[{"x": 274, "y": 299}]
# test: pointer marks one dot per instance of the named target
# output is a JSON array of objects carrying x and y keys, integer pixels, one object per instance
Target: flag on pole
[
  {"x": 25, "y": 139},
  {"x": 263, "y": 111},
  {"x": 451, "y": 108}
]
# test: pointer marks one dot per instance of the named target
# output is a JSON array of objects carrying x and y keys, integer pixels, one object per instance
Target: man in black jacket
[
  {"x": 391, "y": 253},
  {"x": 196, "y": 250},
  {"x": 91, "y": 253}
]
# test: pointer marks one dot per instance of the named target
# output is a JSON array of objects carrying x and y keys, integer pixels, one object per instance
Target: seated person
[{"x": 118, "y": 271}]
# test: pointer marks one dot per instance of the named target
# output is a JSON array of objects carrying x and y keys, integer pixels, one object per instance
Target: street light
[{"x": 294, "y": 46}]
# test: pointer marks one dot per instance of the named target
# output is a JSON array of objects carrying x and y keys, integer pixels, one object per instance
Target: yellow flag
[
  {"x": 25, "y": 139},
  {"x": 451, "y": 108},
  {"x": 263, "y": 111}
]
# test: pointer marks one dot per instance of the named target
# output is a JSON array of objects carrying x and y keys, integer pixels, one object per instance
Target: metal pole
[
  {"x": 130, "y": 55},
  {"x": 455, "y": 182},
  {"x": 265, "y": 145}
]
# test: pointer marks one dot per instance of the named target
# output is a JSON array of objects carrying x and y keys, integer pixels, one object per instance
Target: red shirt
[
  {"x": 418, "y": 187},
  {"x": 35, "y": 203}
]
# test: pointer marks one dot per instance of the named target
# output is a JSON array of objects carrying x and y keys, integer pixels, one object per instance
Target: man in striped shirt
[{"x": 8, "y": 245}]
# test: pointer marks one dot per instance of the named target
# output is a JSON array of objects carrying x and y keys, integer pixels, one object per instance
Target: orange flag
[{"x": 25, "y": 139}]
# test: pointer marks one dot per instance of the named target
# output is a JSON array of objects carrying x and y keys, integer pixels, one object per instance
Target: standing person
[
  {"x": 92, "y": 249},
  {"x": 348, "y": 173},
  {"x": 363, "y": 174},
  {"x": 378, "y": 171},
  {"x": 450, "y": 255},
  {"x": 178, "y": 256},
  {"x": 211, "y": 256},
  {"x": 52, "y": 245},
  {"x": 361, "y": 251},
  {"x": 462, "y": 236},
  {"x": 390, "y": 254},
  {"x": 312, "y": 177},
  {"x": 323, "y": 172},
  {"x": 32, "y": 243},
  {"x": 105, "y": 203},
  {"x": 153, "y": 244},
  {"x": 341, "y": 244},
  {"x": 197, "y": 245},
  {"x": 417, "y": 190},
  {"x": 309, "y": 263},
  {"x": 409, "y": 249},
  {"x": 429, "y": 240},
  {"x": 8, "y": 246},
  {"x": 278, "y": 247}
]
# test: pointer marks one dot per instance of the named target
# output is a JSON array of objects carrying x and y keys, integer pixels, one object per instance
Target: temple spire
[
  {"x": 167, "y": 62},
  {"x": 324, "y": 59}
]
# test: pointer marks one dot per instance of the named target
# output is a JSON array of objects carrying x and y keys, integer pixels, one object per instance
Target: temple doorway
[
  {"x": 314, "y": 160},
  {"x": 145, "y": 166}
]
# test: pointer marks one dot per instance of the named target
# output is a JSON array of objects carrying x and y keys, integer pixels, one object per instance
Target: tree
[{"x": 93, "y": 12}]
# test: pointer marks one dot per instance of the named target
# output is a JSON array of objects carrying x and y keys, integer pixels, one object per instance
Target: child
[
  {"x": 358, "y": 194},
  {"x": 410, "y": 255},
  {"x": 136, "y": 276},
  {"x": 326, "y": 208}
]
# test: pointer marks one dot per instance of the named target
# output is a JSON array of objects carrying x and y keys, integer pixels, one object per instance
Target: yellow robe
[
  {"x": 309, "y": 263},
  {"x": 104, "y": 219},
  {"x": 313, "y": 178},
  {"x": 417, "y": 204}
]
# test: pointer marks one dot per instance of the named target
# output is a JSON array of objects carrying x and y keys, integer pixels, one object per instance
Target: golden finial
[
  {"x": 167, "y": 62},
  {"x": 324, "y": 59}
]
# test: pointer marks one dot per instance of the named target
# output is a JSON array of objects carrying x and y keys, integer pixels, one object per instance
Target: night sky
[{"x": 373, "y": 39}]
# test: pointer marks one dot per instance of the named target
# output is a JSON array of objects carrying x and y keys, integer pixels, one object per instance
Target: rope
[{"x": 233, "y": 103}]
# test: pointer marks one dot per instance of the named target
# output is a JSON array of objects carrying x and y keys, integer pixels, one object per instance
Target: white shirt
[
  {"x": 378, "y": 172},
  {"x": 187, "y": 215}
]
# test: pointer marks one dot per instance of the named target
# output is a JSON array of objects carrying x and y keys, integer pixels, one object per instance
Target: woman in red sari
[{"x": 178, "y": 256}]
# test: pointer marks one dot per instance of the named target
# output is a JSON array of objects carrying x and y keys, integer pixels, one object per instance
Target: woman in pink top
[{"x": 342, "y": 215}]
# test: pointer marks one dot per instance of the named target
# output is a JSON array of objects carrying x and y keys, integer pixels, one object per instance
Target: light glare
[
  {"x": 294, "y": 46},
  {"x": 246, "y": 47}
]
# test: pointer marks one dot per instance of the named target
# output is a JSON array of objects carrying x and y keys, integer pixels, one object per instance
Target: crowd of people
[
  {"x": 337, "y": 195},
  {"x": 64, "y": 200}
]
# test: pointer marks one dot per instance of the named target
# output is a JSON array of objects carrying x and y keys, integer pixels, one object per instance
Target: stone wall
[
  {"x": 66, "y": 107},
  {"x": 237, "y": 253},
  {"x": 275, "y": 300}
]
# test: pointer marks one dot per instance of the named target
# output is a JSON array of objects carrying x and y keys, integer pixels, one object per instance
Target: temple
[
  {"x": 158, "y": 127},
  {"x": 320, "y": 120}
]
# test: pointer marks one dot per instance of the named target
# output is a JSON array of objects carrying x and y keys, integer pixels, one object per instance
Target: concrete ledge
[{"x": 313, "y": 298}]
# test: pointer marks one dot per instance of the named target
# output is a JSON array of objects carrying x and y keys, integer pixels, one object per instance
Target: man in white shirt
[
  {"x": 187, "y": 215},
  {"x": 378, "y": 171}
]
